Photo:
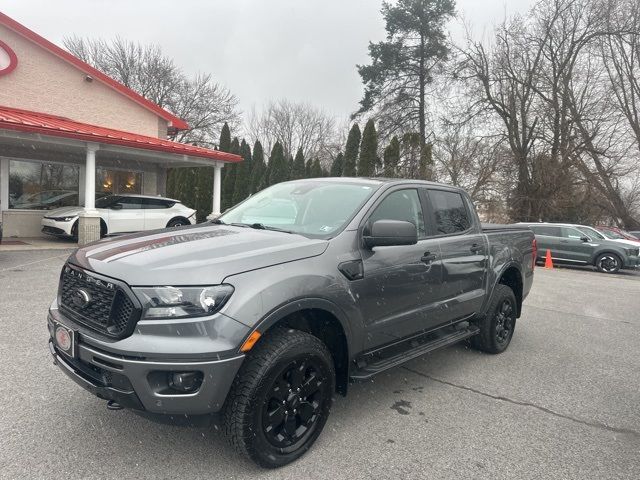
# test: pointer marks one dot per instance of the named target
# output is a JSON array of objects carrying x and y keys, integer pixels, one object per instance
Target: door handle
[
  {"x": 475, "y": 248},
  {"x": 428, "y": 257}
]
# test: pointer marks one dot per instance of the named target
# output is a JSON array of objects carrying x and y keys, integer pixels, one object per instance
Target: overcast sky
[{"x": 304, "y": 50}]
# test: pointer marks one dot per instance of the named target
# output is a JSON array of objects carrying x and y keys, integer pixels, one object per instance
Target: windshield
[
  {"x": 312, "y": 208},
  {"x": 612, "y": 235}
]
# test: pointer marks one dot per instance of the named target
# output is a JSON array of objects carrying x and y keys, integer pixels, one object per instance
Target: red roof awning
[{"x": 45, "y": 124}]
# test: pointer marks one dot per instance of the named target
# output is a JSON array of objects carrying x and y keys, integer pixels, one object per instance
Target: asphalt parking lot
[{"x": 562, "y": 402}]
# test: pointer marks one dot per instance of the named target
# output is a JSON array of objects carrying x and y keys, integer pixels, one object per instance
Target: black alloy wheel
[{"x": 293, "y": 404}]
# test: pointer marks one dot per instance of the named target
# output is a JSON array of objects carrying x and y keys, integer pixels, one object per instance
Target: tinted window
[
  {"x": 545, "y": 230},
  {"x": 156, "y": 203},
  {"x": 401, "y": 205},
  {"x": 131, "y": 203},
  {"x": 450, "y": 211}
]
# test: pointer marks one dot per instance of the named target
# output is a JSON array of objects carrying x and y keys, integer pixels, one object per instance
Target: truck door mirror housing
[{"x": 387, "y": 233}]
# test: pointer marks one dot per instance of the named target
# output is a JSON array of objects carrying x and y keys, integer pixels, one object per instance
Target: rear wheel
[
  {"x": 281, "y": 398},
  {"x": 498, "y": 325},
  {"x": 608, "y": 263}
]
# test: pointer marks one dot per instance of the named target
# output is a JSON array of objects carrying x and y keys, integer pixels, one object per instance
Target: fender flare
[
  {"x": 496, "y": 280},
  {"x": 293, "y": 306}
]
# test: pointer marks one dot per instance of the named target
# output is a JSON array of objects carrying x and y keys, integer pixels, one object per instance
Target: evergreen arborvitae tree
[
  {"x": 259, "y": 169},
  {"x": 368, "y": 151},
  {"x": 307, "y": 168},
  {"x": 316, "y": 169},
  {"x": 243, "y": 174},
  {"x": 351, "y": 151},
  {"x": 224, "y": 145},
  {"x": 298, "y": 170},
  {"x": 337, "y": 167},
  {"x": 278, "y": 165},
  {"x": 391, "y": 158},
  {"x": 229, "y": 183}
]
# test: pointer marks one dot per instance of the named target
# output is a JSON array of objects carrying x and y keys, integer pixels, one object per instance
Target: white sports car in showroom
[{"x": 122, "y": 214}]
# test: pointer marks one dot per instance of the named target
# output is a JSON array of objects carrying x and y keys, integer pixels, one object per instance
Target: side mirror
[
  {"x": 584, "y": 239},
  {"x": 387, "y": 233},
  {"x": 116, "y": 206}
]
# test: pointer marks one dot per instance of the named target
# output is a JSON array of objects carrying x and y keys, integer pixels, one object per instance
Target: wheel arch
[
  {"x": 610, "y": 251},
  {"x": 178, "y": 217},
  {"x": 511, "y": 276},
  {"x": 322, "y": 319}
]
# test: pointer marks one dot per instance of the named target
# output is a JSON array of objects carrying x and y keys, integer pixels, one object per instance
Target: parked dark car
[
  {"x": 580, "y": 245},
  {"x": 262, "y": 315}
]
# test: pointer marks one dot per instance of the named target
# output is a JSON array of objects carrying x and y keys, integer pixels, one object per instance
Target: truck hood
[{"x": 198, "y": 255}]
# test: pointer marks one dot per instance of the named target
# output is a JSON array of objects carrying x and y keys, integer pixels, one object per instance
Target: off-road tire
[
  {"x": 491, "y": 338},
  {"x": 251, "y": 394}
]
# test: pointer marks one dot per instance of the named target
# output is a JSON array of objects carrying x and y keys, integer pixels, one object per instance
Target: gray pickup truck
[{"x": 257, "y": 318}]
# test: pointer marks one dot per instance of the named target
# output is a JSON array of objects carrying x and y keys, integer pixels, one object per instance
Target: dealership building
[{"x": 69, "y": 134}]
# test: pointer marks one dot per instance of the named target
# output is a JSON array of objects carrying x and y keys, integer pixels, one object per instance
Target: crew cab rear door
[
  {"x": 400, "y": 289},
  {"x": 463, "y": 250}
]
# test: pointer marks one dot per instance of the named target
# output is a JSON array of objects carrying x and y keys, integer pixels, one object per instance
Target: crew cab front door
[{"x": 399, "y": 293}]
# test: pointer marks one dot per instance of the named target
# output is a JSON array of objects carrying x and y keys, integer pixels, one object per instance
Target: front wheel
[
  {"x": 177, "y": 222},
  {"x": 608, "y": 263},
  {"x": 497, "y": 326},
  {"x": 281, "y": 398}
]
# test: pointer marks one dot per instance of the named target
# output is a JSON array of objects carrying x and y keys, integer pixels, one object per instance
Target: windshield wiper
[{"x": 259, "y": 226}]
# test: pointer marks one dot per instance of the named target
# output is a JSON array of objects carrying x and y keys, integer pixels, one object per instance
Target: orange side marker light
[{"x": 251, "y": 341}]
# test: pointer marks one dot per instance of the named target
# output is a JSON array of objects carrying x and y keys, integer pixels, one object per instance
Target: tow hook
[{"x": 111, "y": 405}]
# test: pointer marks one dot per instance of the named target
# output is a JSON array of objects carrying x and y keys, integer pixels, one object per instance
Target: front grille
[{"x": 99, "y": 303}]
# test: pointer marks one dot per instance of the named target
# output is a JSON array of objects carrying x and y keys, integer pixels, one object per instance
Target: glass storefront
[
  {"x": 42, "y": 186},
  {"x": 117, "y": 181},
  {"x": 37, "y": 185}
]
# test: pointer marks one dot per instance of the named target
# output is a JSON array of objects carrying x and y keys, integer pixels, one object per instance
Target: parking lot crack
[{"x": 594, "y": 424}]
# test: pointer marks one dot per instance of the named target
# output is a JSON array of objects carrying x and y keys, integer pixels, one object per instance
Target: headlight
[
  {"x": 632, "y": 252},
  {"x": 181, "y": 302},
  {"x": 62, "y": 219}
]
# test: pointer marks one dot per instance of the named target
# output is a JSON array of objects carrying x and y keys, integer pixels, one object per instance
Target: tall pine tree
[
  {"x": 230, "y": 178},
  {"x": 351, "y": 151},
  {"x": 278, "y": 165},
  {"x": 337, "y": 167},
  {"x": 224, "y": 144},
  {"x": 259, "y": 170},
  {"x": 242, "y": 187},
  {"x": 391, "y": 158},
  {"x": 307, "y": 168},
  {"x": 298, "y": 166},
  {"x": 316, "y": 169},
  {"x": 368, "y": 151}
]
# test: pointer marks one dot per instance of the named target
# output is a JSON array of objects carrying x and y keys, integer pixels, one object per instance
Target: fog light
[{"x": 185, "y": 381}]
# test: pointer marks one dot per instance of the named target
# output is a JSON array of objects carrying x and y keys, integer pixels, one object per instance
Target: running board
[{"x": 369, "y": 369}]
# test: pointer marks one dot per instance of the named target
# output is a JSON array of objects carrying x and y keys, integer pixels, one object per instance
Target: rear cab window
[{"x": 451, "y": 215}]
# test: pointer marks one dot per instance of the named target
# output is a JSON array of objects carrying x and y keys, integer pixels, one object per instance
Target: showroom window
[
  {"x": 117, "y": 182},
  {"x": 42, "y": 186}
]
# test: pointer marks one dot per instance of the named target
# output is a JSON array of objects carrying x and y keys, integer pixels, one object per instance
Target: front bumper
[
  {"x": 631, "y": 262},
  {"x": 138, "y": 384},
  {"x": 54, "y": 227}
]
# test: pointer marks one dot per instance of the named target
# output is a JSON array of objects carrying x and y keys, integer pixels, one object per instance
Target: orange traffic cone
[{"x": 548, "y": 263}]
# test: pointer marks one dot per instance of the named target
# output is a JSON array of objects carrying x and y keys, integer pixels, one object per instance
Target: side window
[
  {"x": 544, "y": 230},
  {"x": 568, "y": 232},
  {"x": 450, "y": 211},
  {"x": 155, "y": 204},
  {"x": 131, "y": 203},
  {"x": 401, "y": 205}
]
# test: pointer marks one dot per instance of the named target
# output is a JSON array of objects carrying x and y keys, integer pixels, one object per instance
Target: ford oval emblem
[{"x": 81, "y": 298}]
